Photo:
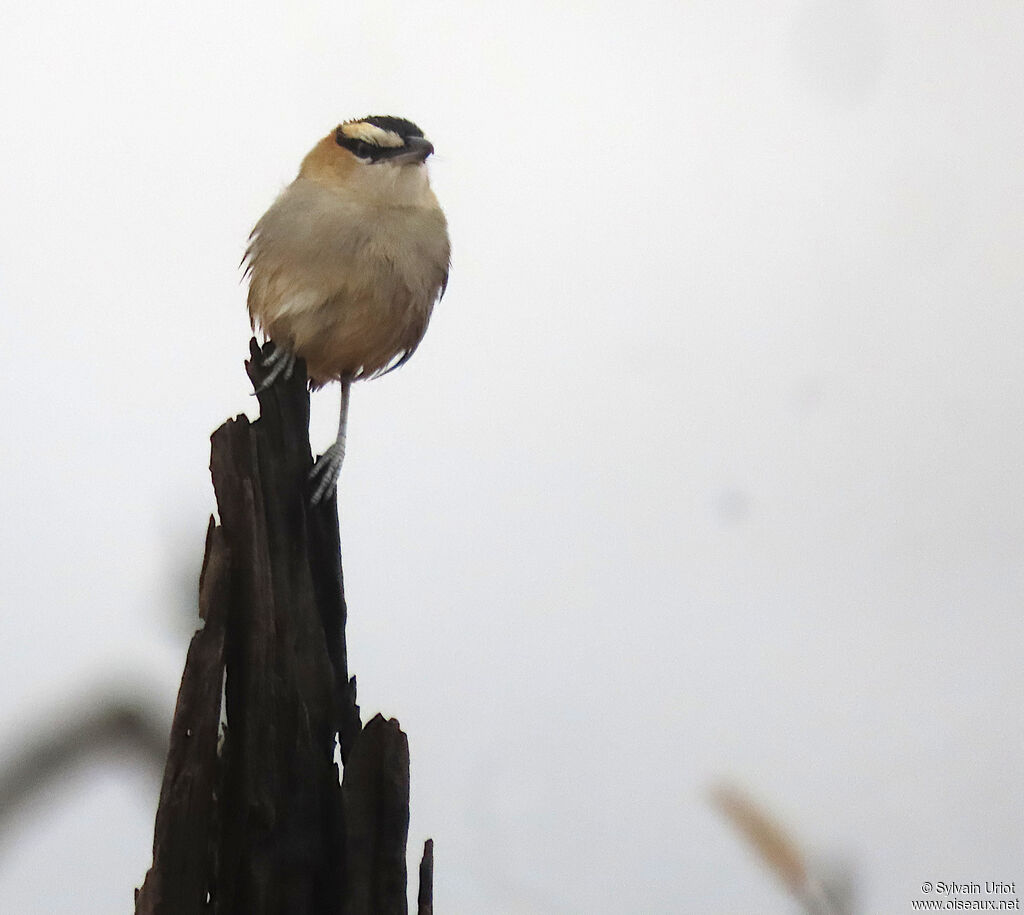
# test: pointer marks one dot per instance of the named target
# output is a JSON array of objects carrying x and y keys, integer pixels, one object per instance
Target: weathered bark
[
  {"x": 262, "y": 825},
  {"x": 376, "y": 793},
  {"x": 425, "y": 900},
  {"x": 182, "y": 863}
]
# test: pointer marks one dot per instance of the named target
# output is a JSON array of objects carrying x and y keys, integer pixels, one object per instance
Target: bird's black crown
[{"x": 383, "y": 138}]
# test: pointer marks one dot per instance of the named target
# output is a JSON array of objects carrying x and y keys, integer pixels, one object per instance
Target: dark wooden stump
[{"x": 259, "y": 821}]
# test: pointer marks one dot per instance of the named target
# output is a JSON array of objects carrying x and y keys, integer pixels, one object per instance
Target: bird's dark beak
[{"x": 416, "y": 150}]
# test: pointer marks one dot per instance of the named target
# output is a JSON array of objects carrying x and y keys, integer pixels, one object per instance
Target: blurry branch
[
  {"x": 777, "y": 849},
  {"x": 113, "y": 725}
]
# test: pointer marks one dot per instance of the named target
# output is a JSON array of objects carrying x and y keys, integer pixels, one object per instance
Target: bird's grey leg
[
  {"x": 324, "y": 474},
  {"x": 281, "y": 364}
]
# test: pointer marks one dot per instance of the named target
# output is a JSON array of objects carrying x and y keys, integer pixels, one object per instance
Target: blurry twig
[
  {"x": 777, "y": 849},
  {"x": 113, "y": 723}
]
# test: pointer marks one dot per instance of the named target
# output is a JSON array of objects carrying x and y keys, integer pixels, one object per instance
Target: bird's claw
[
  {"x": 280, "y": 364},
  {"x": 325, "y": 471}
]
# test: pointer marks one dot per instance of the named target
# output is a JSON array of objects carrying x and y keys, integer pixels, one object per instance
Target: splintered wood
[{"x": 254, "y": 817}]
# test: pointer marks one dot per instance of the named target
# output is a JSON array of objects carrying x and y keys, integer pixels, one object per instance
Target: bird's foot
[
  {"x": 324, "y": 475},
  {"x": 279, "y": 364}
]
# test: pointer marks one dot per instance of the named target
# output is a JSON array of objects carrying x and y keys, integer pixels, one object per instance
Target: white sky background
[{"x": 709, "y": 466}]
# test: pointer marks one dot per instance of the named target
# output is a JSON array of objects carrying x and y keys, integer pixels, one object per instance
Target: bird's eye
[{"x": 357, "y": 147}]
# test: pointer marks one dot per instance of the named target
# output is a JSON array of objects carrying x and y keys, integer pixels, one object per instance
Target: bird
[{"x": 347, "y": 264}]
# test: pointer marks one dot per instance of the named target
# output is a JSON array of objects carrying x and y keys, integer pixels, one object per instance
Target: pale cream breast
[{"x": 346, "y": 274}]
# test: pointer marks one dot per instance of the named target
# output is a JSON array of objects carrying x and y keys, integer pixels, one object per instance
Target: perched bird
[{"x": 346, "y": 266}]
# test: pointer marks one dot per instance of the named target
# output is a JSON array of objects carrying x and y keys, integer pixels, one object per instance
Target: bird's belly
[
  {"x": 357, "y": 337},
  {"x": 366, "y": 312},
  {"x": 348, "y": 290}
]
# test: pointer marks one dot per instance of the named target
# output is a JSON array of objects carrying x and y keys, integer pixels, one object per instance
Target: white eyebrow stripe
[{"x": 370, "y": 133}]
